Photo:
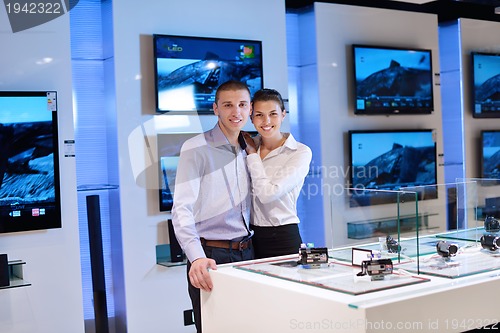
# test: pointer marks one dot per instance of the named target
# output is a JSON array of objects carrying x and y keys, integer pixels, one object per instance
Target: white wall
[
  {"x": 53, "y": 303},
  {"x": 155, "y": 295},
  {"x": 477, "y": 36},
  {"x": 332, "y": 29}
]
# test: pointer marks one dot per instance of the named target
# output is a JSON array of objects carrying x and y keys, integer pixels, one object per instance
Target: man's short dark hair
[
  {"x": 231, "y": 86},
  {"x": 265, "y": 95}
]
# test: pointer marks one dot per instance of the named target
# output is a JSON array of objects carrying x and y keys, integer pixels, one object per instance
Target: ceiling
[{"x": 446, "y": 10}]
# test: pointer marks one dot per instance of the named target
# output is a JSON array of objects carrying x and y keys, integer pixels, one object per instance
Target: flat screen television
[
  {"x": 29, "y": 167},
  {"x": 490, "y": 154},
  {"x": 188, "y": 70},
  {"x": 389, "y": 160},
  {"x": 169, "y": 148},
  {"x": 392, "y": 80},
  {"x": 486, "y": 87}
]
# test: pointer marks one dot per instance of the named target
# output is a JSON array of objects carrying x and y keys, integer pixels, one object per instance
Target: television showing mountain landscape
[
  {"x": 29, "y": 165},
  {"x": 390, "y": 161},
  {"x": 392, "y": 80}
]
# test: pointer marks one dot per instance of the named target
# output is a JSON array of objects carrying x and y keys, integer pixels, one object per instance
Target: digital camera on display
[
  {"x": 446, "y": 250},
  {"x": 314, "y": 256},
  {"x": 377, "y": 268},
  {"x": 490, "y": 242},
  {"x": 491, "y": 224}
]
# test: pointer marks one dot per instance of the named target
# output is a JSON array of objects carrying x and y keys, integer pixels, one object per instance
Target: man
[{"x": 211, "y": 210}]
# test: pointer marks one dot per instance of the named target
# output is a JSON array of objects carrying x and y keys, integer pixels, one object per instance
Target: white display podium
[{"x": 247, "y": 302}]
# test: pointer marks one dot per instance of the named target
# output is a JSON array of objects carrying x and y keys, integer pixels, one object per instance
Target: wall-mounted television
[
  {"x": 29, "y": 167},
  {"x": 392, "y": 80},
  {"x": 490, "y": 154},
  {"x": 486, "y": 85},
  {"x": 188, "y": 70},
  {"x": 169, "y": 148},
  {"x": 389, "y": 160}
]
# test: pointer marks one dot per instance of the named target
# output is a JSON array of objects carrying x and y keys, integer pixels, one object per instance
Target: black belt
[{"x": 226, "y": 244}]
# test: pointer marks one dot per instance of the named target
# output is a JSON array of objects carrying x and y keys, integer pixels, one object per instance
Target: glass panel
[
  {"x": 383, "y": 222},
  {"x": 486, "y": 211},
  {"x": 458, "y": 252}
]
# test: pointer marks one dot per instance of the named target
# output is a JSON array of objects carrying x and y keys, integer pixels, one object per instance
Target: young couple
[{"x": 218, "y": 183}]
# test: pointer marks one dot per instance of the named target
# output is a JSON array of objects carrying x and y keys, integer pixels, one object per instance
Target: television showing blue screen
[
  {"x": 391, "y": 160},
  {"x": 486, "y": 75},
  {"x": 392, "y": 80},
  {"x": 490, "y": 154},
  {"x": 188, "y": 70},
  {"x": 169, "y": 149},
  {"x": 29, "y": 164}
]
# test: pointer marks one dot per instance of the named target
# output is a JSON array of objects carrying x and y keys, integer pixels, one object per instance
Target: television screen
[
  {"x": 392, "y": 80},
  {"x": 486, "y": 75},
  {"x": 29, "y": 170},
  {"x": 490, "y": 154},
  {"x": 169, "y": 148},
  {"x": 391, "y": 160},
  {"x": 188, "y": 70}
]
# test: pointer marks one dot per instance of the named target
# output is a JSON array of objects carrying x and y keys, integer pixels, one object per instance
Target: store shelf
[
  {"x": 16, "y": 275},
  {"x": 163, "y": 256}
]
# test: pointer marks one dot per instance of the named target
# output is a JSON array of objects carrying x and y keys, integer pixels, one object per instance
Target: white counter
[{"x": 247, "y": 302}]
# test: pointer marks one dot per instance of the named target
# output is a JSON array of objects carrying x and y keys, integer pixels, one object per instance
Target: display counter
[
  {"x": 426, "y": 287},
  {"x": 246, "y": 301}
]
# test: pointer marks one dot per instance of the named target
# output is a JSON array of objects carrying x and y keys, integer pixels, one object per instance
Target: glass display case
[
  {"x": 390, "y": 230},
  {"x": 470, "y": 245},
  {"x": 454, "y": 235},
  {"x": 407, "y": 240},
  {"x": 374, "y": 268}
]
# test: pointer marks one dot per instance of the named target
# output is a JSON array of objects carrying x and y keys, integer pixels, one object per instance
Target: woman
[{"x": 278, "y": 166}]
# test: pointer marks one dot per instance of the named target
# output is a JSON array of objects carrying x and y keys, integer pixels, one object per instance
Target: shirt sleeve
[
  {"x": 291, "y": 174},
  {"x": 186, "y": 192}
]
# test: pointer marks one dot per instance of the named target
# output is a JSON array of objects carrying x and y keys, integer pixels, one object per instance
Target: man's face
[{"x": 233, "y": 110}]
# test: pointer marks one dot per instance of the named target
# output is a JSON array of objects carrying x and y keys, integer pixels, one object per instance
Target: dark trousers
[
  {"x": 276, "y": 241},
  {"x": 221, "y": 256}
]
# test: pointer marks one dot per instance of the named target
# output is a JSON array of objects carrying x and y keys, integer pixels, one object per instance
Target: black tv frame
[
  {"x": 31, "y": 165},
  {"x": 212, "y": 78},
  {"x": 368, "y": 196},
  {"x": 477, "y": 109},
  {"x": 169, "y": 148},
  {"x": 401, "y": 109},
  {"x": 482, "y": 164}
]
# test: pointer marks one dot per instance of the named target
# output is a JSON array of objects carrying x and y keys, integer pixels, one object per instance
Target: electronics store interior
[{"x": 398, "y": 101}]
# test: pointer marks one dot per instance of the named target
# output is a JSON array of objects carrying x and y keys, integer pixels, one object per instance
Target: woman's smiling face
[{"x": 267, "y": 117}]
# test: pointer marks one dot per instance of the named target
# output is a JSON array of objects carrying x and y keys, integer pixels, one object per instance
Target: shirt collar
[
  {"x": 216, "y": 138},
  {"x": 290, "y": 142}
]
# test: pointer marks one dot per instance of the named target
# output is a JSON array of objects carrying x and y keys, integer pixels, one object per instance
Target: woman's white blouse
[{"x": 277, "y": 181}]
